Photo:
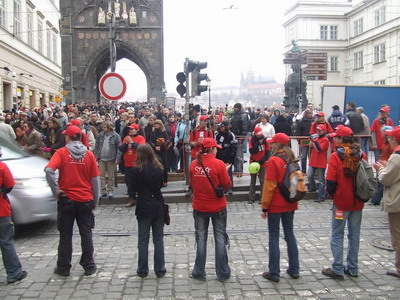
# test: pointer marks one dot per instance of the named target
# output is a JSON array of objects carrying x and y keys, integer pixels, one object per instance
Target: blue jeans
[
  {"x": 377, "y": 154},
  {"x": 157, "y": 226},
  {"x": 10, "y": 258},
  {"x": 365, "y": 145},
  {"x": 221, "y": 240},
  {"x": 353, "y": 220},
  {"x": 238, "y": 164},
  {"x": 274, "y": 252},
  {"x": 321, "y": 180},
  {"x": 303, "y": 154},
  {"x": 376, "y": 199}
]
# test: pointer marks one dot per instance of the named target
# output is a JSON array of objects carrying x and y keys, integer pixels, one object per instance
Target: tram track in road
[{"x": 191, "y": 232}]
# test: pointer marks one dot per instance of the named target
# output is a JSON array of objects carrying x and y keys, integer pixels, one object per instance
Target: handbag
[
  {"x": 219, "y": 190},
  {"x": 167, "y": 218}
]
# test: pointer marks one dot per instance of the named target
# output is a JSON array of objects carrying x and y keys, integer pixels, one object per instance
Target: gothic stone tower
[{"x": 86, "y": 50}]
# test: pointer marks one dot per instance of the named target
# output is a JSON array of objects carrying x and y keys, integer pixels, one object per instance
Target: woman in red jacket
[
  {"x": 340, "y": 181},
  {"x": 276, "y": 208},
  {"x": 206, "y": 206}
]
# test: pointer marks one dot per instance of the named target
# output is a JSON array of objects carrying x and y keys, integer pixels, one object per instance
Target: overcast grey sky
[{"x": 249, "y": 36}]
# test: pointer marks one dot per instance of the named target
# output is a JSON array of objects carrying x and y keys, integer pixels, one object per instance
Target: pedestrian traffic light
[
  {"x": 181, "y": 89},
  {"x": 197, "y": 78}
]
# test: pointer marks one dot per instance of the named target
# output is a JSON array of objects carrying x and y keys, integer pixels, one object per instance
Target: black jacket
[
  {"x": 282, "y": 126},
  {"x": 148, "y": 183},
  {"x": 303, "y": 127},
  {"x": 356, "y": 121},
  {"x": 228, "y": 142},
  {"x": 239, "y": 123}
]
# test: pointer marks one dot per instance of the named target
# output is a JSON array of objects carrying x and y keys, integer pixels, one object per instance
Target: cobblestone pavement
[{"x": 115, "y": 238}]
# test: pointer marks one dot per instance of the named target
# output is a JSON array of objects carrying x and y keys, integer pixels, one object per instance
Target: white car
[{"x": 31, "y": 198}]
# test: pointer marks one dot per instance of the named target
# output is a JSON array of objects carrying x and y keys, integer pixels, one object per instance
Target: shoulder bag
[{"x": 219, "y": 190}]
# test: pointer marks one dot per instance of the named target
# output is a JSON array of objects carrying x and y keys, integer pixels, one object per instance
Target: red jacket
[
  {"x": 130, "y": 154},
  {"x": 343, "y": 198},
  {"x": 204, "y": 197},
  {"x": 272, "y": 200},
  {"x": 197, "y": 134},
  {"x": 259, "y": 153},
  {"x": 326, "y": 125},
  {"x": 376, "y": 127},
  {"x": 319, "y": 159},
  {"x": 7, "y": 182}
]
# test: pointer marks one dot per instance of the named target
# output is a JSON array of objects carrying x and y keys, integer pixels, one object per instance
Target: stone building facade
[
  {"x": 30, "y": 56},
  {"x": 86, "y": 44},
  {"x": 361, "y": 38}
]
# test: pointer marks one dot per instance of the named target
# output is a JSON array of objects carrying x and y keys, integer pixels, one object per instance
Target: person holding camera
[
  {"x": 319, "y": 145},
  {"x": 209, "y": 179}
]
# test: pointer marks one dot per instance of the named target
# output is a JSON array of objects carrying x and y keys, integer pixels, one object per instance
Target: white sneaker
[{"x": 110, "y": 195}]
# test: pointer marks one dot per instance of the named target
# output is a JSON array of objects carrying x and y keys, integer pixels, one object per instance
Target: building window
[
  {"x": 48, "y": 41},
  {"x": 144, "y": 14},
  {"x": 40, "y": 35},
  {"x": 323, "y": 32},
  {"x": 358, "y": 60},
  {"x": 379, "y": 53},
  {"x": 358, "y": 27},
  {"x": 380, "y": 16},
  {"x": 3, "y": 13},
  {"x": 29, "y": 27},
  {"x": 17, "y": 18},
  {"x": 333, "y": 32},
  {"x": 379, "y": 82},
  {"x": 333, "y": 63},
  {"x": 54, "y": 47}
]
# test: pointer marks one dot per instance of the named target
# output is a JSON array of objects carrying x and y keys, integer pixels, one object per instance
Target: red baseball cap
[
  {"x": 319, "y": 127},
  {"x": 394, "y": 133},
  {"x": 342, "y": 130},
  {"x": 257, "y": 129},
  {"x": 134, "y": 126},
  {"x": 209, "y": 143},
  {"x": 279, "y": 138},
  {"x": 384, "y": 109},
  {"x": 72, "y": 131},
  {"x": 75, "y": 122},
  {"x": 202, "y": 118},
  {"x": 320, "y": 114}
]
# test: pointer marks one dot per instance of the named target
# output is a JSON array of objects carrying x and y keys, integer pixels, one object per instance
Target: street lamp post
[{"x": 209, "y": 93}]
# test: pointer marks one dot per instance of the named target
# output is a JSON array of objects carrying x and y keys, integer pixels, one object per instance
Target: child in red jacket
[{"x": 318, "y": 160}]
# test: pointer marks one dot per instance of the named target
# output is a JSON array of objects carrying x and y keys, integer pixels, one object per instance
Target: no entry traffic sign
[{"x": 112, "y": 86}]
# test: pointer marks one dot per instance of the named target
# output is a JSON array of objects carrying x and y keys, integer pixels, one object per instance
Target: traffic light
[
  {"x": 181, "y": 89},
  {"x": 197, "y": 78}
]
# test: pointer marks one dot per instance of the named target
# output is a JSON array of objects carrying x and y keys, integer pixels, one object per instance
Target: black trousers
[
  {"x": 68, "y": 212},
  {"x": 128, "y": 172}
]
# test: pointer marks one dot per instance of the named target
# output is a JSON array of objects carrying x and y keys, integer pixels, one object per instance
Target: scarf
[{"x": 350, "y": 159}]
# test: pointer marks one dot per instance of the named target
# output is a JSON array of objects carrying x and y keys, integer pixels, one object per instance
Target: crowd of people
[{"x": 87, "y": 142}]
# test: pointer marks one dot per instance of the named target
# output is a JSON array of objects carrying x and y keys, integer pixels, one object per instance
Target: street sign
[
  {"x": 112, "y": 86},
  {"x": 317, "y": 63},
  {"x": 64, "y": 93},
  {"x": 316, "y": 77}
]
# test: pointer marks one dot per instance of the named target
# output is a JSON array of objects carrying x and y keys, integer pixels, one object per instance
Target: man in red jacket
[
  {"x": 318, "y": 159},
  {"x": 128, "y": 150},
  {"x": 259, "y": 152},
  {"x": 9, "y": 254},
  {"x": 77, "y": 192},
  {"x": 197, "y": 136}
]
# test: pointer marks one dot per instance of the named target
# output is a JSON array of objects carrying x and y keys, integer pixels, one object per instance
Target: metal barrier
[{"x": 296, "y": 143}]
